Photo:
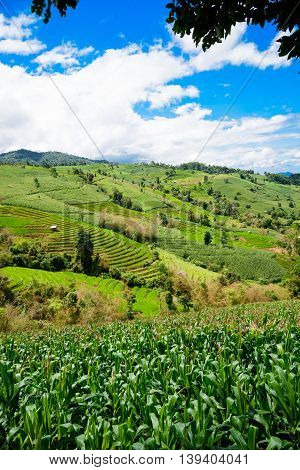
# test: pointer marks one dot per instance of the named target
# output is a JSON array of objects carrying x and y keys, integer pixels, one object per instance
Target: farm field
[
  {"x": 120, "y": 252},
  {"x": 147, "y": 301},
  {"x": 138, "y": 386},
  {"x": 246, "y": 264},
  {"x": 193, "y": 272},
  {"x": 148, "y": 307},
  {"x": 149, "y": 234}
]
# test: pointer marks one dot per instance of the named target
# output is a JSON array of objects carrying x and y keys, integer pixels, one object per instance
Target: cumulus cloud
[
  {"x": 17, "y": 27},
  {"x": 105, "y": 95},
  {"x": 67, "y": 55},
  {"x": 234, "y": 50},
  {"x": 170, "y": 94},
  {"x": 15, "y": 36},
  {"x": 19, "y": 47}
]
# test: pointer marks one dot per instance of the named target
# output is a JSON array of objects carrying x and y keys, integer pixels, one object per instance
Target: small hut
[{"x": 54, "y": 228}]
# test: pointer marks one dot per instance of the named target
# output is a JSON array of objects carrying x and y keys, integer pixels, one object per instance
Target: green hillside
[
  {"x": 41, "y": 158},
  {"x": 148, "y": 302},
  {"x": 147, "y": 306},
  {"x": 130, "y": 207}
]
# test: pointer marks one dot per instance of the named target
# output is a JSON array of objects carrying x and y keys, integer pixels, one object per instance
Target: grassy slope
[
  {"x": 193, "y": 272},
  {"x": 148, "y": 301},
  {"x": 67, "y": 194},
  {"x": 266, "y": 195},
  {"x": 17, "y": 186}
]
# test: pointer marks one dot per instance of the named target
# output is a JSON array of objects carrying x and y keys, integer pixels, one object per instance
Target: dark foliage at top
[
  {"x": 211, "y": 22},
  {"x": 44, "y": 7}
]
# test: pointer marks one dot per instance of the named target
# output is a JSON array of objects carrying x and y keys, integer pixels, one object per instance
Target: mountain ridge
[{"x": 51, "y": 158}]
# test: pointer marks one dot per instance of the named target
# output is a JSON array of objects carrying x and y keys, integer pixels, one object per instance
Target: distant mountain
[{"x": 45, "y": 158}]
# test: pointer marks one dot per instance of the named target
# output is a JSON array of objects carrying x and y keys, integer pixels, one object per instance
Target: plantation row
[
  {"x": 245, "y": 263},
  {"x": 151, "y": 386},
  {"x": 119, "y": 252}
]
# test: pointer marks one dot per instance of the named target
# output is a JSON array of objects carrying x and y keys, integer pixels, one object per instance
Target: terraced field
[
  {"x": 178, "y": 265},
  {"x": 147, "y": 301},
  {"x": 246, "y": 263},
  {"x": 119, "y": 252}
]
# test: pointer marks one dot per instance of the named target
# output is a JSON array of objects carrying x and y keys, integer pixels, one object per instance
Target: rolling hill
[
  {"x": 184, "y": 330},
  {"x": 42, "y": 158}
]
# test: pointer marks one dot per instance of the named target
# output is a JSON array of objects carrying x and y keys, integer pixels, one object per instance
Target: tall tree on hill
[
  {"x": 224, "y": 238},
  {"x": 207, "y": 238},
  {"x": 210, "y": 22},
  {"x": 84, "y": 257}
]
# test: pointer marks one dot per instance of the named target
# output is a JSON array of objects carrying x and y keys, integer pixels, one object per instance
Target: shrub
[
  {"x": 115, "y": 273},
  {"x": 132, "y": 280},
  {"x": 6, "y": 292}
]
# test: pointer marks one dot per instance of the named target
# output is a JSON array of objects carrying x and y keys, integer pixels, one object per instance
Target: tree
[
  {"x": 210, "y": 22},
  {"x": 53, "y": 172},
  {"x": 90, "y": 178},
  {"x": 169, "y": 300},
  {"x": 207, "y": 238},
  {"x": 224, "y": 238},
  {"x": 44, "y": 7},
  {"x": 164, "y": 219},
  {"x": 84, "y": 251},
  {"x": 6, "y": 292}
]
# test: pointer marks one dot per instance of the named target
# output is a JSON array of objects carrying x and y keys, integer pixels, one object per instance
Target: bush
[
  {"x": 294, "y": 286},
  {"x": 26, "y": 254},
  {"x": 132, "y": 280},
  {"x": 115, "y": 273},
  {"x": 5, "y": 260},
  {"x": 6, "y": 292}
]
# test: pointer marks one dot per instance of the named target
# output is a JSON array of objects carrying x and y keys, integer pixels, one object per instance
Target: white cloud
[
  {"x": 15, "y": 36},
  {"x": 16, "y": 46},
  {"x": 16, "y": 27},
  {"x": 233, "y": 50},
  {"x": 105, "y": 93},
  {"x": 169, "y": 94},
  {"x": 67, "y": 55}
]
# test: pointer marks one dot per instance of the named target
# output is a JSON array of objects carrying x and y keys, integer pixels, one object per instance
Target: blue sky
[{"x": 142, "y": 94}]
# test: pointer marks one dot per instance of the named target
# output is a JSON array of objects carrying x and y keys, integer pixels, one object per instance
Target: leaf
[
  {"x": 154, "y": 420},
  {"x": 12, "y": 433},
  {"x": 274, "y": 443},
  {"x": 238, "y": 439},
  {"x": 180, "y": 427},
  {"x": 252, "y": 437},
  {"x": 80, "y": 441},
  {"x": 138, "y": 446}
]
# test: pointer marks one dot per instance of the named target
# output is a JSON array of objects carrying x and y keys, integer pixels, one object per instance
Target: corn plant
[{"x": 151, "y": 386}]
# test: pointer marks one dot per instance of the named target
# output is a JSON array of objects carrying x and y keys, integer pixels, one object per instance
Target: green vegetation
[
  {"x": 116, "y": 250},
  {"x": 153, "y": 386},
  {"x": 147, "y": 306},
  {"x": 42, "y": 158},
  {"x": 245, "y": 264},
  {"x": 148, "y": 302}
]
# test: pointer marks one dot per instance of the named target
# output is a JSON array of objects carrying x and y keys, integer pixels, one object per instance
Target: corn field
[{"x": 148, "y": 386}]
